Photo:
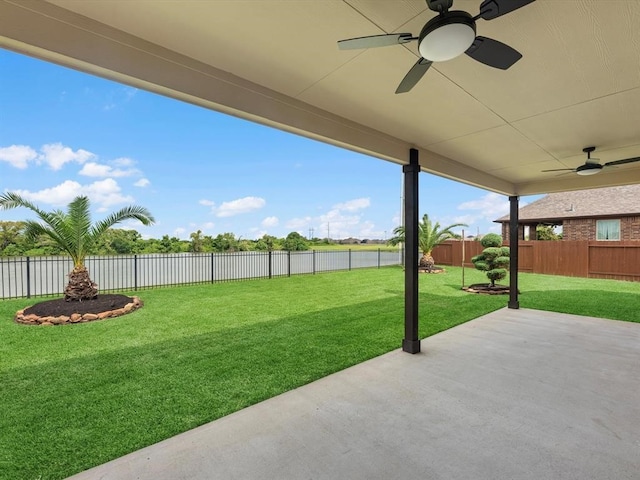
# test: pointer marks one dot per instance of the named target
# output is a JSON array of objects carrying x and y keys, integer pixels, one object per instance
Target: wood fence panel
[
  {"x": 450, "y": 252},
  {"x": 614, "y": 260},
  {"x": 443, "y": 254},
  {"x": 569, "y": 258},
  {"x": 526, "y": 255},
  {"x": 588, "y": 259}
]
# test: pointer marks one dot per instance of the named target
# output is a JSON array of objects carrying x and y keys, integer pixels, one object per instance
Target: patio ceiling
[{"x": 276, "y": 62}]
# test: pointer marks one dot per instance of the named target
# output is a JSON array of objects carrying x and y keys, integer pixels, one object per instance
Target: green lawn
[{"x": 79, "y": 395}]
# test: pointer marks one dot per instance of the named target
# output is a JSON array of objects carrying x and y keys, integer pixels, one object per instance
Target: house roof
[
  {"x": 277, "y": 63},
  {"x": 597, "y": 202}
]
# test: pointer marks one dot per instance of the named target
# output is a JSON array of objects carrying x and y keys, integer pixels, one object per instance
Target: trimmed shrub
[{"x": 494, "y": 259}]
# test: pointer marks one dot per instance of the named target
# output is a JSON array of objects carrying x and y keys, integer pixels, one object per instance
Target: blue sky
[{"x": 64, "y": 133}]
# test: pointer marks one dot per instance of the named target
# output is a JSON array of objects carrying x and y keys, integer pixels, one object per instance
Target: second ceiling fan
[
  {"x": 592, "y": 165},
  {"x": 446, "y": 36}
]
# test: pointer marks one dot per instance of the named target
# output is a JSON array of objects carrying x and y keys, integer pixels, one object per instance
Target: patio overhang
[{"x": 277, "y": 63}]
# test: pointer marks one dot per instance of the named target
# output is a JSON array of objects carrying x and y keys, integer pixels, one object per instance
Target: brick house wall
[
  {"x": 630, "y": 228},
  {"x": 585, "y": 229},
  {"x": 579, "y": 229}
]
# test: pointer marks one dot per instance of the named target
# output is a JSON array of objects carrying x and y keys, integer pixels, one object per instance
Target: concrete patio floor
[{"x": 516, "y": 394}]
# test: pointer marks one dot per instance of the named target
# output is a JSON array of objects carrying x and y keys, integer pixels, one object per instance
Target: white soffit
[{"x": 276, "y": 61}]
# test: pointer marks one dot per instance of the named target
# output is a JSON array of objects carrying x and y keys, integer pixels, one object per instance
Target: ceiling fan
[
  {"x": 447, "y": 36},
  {"x": 593, "y": 165}
]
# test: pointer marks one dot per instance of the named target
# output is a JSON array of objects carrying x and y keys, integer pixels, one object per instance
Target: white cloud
[
  {"x": 124, "y": 162},
  {"x": 119, "y": 97},
  {"x": 492, "y": 205},
  {"x": 143, "y": 182},
  {"x": 18, "y": 156},
  {"x": 353, "y": 205},
  {"x": 106, "y": 193},
  {"x": 56, "y": 155},
  {"x": 103, "y": 194},
  {"x": 241, "y": 205},
  {"x": 59, "y": 195},
  {"x": 270, "y": 222},
  {"x": 342, "y": 221},
  {"x": 93, "y": 169},
  {"x": 206, "y": 203},
  {"x": 298, "y": 223}
]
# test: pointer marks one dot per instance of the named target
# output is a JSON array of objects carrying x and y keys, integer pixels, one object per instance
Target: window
[{"x": 607, "y": 229}]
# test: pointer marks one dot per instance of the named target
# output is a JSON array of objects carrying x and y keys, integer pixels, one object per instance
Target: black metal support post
[
  {"x": 513, "y": 253},
  {"x": 269, "y": 259},
  {"x": 411, "y": 343}
]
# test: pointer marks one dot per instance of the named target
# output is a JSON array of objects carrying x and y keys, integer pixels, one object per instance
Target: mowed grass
[{"x": 77, "y": 396}]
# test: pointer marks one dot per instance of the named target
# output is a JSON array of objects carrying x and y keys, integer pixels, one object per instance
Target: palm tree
[
  {"x": 72, "y": 231},
  {"x": 429, "y": 236}
]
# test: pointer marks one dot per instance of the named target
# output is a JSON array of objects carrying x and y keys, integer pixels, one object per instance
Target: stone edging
[{"x": 32, "y": 319}]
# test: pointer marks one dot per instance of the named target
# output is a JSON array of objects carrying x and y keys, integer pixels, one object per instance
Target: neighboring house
[{"x": 611, "y": 213}]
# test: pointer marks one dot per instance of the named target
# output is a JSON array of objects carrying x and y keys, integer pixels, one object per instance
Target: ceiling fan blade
[
  {"x": 621, "y": 162},
  {"x": 375, "y": 41},
  {"x": 414, "y": 75},
  {"x": 490, "y": 9},
  {"x": 560, "y": 170},
  {"x": 493, "y": 53}
]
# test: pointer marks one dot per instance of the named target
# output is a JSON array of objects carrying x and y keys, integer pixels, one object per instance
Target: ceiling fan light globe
[
  {"x": 588, "y": 169},
  {"x": 446, "y": 37}
]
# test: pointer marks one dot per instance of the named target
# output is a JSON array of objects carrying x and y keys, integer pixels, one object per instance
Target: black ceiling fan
[
  {"x": 593, "y": 165},
  {"x": 446, "y": 36}
]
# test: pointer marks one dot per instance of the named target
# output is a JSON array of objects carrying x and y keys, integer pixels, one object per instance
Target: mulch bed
[
  {"x": 60, "y": 312},
  {"x": 54, "y": 308}
]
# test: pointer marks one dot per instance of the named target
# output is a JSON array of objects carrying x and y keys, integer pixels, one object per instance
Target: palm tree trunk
[
  {"x": 80, "y": 286},
  {"x": 426, "y": 261}
]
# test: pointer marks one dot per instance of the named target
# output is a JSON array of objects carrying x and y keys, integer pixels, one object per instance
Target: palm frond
[
  {"x": 429, "y": 234},
  {"x": 132, "y": 212},
  {"x": 72, "y": 230}
]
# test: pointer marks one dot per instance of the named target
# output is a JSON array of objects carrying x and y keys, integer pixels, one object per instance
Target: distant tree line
[{"x": 115, "y": 241}]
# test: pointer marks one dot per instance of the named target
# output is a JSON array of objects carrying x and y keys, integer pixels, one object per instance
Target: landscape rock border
[
  {"x": 487, "y": 289},
  {"x": 433, "y": 271},
  {"x": 32, "y": 319}
]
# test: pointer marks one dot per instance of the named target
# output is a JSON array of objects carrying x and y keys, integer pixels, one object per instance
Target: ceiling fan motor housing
[{"x": 446, "y": 36}]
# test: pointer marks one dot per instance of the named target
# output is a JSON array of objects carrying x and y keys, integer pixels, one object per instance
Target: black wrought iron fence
[{"x": 47, "y": 275}]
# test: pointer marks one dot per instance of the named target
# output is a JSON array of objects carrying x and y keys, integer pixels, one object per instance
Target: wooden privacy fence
[{"x": 583, "y": 258}]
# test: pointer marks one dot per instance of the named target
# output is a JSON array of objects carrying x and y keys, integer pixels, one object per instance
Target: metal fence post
[
  {"x": 212, "y": 263},
  {"x": 135, "y": 272},
  {"x": 314, "y": 261},
  {"x": 349, "y": 259},
  {"x": 28, "y": 278},
  {"x": 288, "y": 263},
  {"x": 378, "y": 258},
  {"x": 270, "y": 258}
]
